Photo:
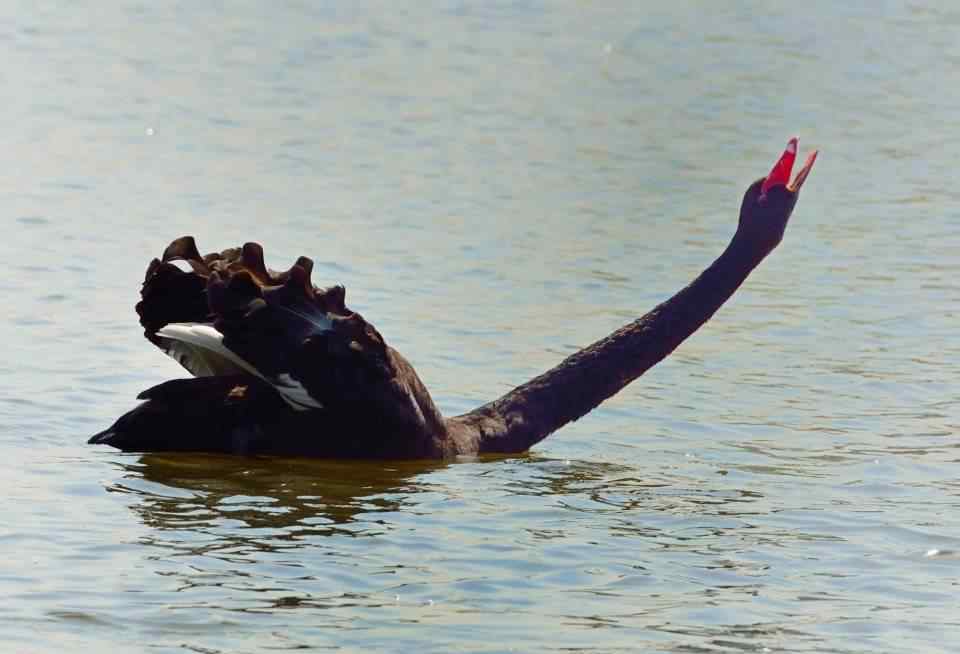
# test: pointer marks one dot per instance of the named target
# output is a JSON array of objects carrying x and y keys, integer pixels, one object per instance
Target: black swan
[{"x": 282, "y": 367}]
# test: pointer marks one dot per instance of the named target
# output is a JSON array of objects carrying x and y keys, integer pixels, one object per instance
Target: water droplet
[
  {"x": 932, "y": 552},
  {"x": 608, "y": 48},
  {"x": 150, "y": 131}
]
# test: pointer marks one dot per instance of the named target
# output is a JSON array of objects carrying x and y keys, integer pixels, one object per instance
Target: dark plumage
[{"x": 283, "y": 367}]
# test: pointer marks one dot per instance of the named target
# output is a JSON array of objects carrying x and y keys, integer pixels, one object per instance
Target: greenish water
[{"x": 497, "y": 185}]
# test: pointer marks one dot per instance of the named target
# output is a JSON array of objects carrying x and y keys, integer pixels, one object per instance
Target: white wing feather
[{"x": 199, "y": 348}]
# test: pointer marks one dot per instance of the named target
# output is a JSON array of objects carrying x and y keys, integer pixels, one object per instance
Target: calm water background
[{"x": 497, "y": 184}]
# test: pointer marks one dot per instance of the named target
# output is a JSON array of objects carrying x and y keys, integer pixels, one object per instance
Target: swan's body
[{"x": 282, "y": 367}]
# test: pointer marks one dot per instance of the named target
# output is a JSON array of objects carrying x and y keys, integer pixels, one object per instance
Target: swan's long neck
[{"x": 529, "y": 413}]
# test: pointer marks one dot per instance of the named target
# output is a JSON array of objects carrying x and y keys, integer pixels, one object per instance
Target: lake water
[{"x": 497, "y": 184}]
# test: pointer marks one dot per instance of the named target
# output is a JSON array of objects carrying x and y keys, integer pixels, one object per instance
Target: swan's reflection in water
[
  {"x": 347, "y": 541},
  {"x": 288, "y": 499},
  {"x": 275, "y": 498},
  {"x": 278, "y": 503},
  {"x": 261, "y": 535}
]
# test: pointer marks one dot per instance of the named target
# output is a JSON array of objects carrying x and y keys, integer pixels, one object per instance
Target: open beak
[{"x": 780, "y": 174}]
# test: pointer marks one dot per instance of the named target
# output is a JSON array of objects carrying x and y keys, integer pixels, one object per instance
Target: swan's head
[{"x": 769, "y": 201}]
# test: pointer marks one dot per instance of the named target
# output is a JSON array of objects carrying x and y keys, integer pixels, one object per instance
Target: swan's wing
[
  {"x": 200, "y": 349},
  {"x": 226, "y": 313}
]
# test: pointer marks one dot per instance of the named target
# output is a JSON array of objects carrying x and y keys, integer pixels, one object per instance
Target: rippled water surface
[{"x": 497, "y": 184}]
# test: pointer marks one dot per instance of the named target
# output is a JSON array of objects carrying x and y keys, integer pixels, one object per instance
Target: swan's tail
[{"x": 204, "y": 414}]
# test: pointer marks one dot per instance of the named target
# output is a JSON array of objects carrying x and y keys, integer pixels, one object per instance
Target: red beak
[{"x": 780, "y": 174}]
